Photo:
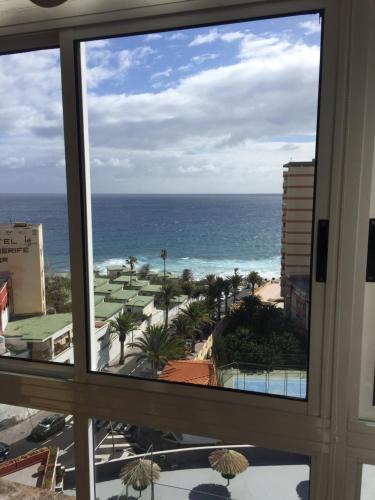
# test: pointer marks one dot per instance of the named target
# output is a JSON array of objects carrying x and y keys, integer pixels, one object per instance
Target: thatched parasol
[
  {"x": 228, "y": 462},
  {"x": 140, "y": 473}
]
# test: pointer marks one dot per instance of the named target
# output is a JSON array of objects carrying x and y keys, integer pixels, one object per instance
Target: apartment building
[
  {"x": 297, "y": 217},
  {"x": 22, "y": 258}
]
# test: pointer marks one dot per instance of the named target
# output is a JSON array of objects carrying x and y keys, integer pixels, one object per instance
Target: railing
[{"x": 289, "y": 380}]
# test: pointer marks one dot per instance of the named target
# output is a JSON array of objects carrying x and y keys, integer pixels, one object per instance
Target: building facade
[
  {"x": 297, "y": 216},
  {"x": 21, "y": 256}
]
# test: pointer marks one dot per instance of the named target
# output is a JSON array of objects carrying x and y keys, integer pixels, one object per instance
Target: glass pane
[
  {"x": 201, "y": 143},
  {"x": 36, "y": 451},
  {"x": 188, "y": 467},
  {"x": 368, "y": 482},
  {"x": 35, "y": 297}
]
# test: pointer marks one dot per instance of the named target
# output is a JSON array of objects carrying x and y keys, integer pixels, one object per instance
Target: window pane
[
  {"x": 36, "y": 450},
  {"x": 35, "y": 297},
  {"x": 188, "y": 467},
  {"x": 201, "y": 143},
  {"x": 368, "y": 482}
]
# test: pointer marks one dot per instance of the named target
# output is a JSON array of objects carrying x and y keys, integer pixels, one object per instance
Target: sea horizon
[{"x": 196, "y": 229}]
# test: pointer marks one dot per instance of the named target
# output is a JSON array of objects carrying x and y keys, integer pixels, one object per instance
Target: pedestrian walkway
[{"x": 113, "y": 446}]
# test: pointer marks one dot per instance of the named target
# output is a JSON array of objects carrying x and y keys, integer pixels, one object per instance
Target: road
[{"x": 17, "y": 437}]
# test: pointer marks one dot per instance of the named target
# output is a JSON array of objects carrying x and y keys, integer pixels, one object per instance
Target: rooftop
[
  {"x": 192, "y": 371},
  {"x": 38, "y": 328},
  {"x": 124, "y": 278},
  {"x": 123, "y": 295},
  {"x": 106, "y": 310},
  {"x": 98, "y": 299},
  {"x": 117, "y": 267},
  {"x": 108, "y": 289},
  {"x": 138, "y": 283},
  {"x": 299, "y": 164},
  {"x": 180, "y": 299},
  {"x": 152, "y": 288},
  {"x": 99, "y": 281},
  {"x": 140, "y": 301}
]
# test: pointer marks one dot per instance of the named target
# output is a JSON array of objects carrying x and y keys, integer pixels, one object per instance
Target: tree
[
  {"x": 236, "y": 280},
  {"x": 164, "y": 255},
  {"x": 157, "y": 345},
  {"x": 144, "y": 271},
  {"x": 227, "y": 288},
  {"x": 167, "y": 294},
  {"x": 187, "y": 288},
  {"x": 187, "y": 275},
  {"x": 58, "y": 293},
  {"x": 211, "y": 292},
  {"x": 254, "y": 279},
  {"x": 131, "y": 261},
  {"x": 123, "y": 325},
  {"x": 198, "y": 316},
  {"x": 219, "y": 288},
  {"x": 182, "y": 326}
]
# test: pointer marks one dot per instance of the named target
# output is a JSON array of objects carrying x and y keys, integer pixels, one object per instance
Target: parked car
[
  {"x": 48, "y": 426},
  {"x": 4, "y": 451}
]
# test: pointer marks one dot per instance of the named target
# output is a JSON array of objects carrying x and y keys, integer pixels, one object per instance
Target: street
[{"x": 17, "y": 437}]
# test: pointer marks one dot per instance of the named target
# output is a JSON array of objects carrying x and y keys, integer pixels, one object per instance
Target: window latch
[{"x": 322, "y": 251}]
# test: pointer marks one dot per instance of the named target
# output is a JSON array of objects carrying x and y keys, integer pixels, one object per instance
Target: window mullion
[{"x": 79, "y": 210}]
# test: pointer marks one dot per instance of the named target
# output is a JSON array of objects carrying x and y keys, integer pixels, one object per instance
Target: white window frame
[{"x": 318, "y": 427}]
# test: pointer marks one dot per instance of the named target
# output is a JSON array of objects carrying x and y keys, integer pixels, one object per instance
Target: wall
[{"x": 21, "y": 255}]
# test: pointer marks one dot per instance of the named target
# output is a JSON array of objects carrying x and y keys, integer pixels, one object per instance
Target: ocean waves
[{"x": 268, "y": 268}]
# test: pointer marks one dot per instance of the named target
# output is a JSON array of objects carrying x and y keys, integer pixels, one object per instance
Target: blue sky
[{"x": 213, "y": 109}]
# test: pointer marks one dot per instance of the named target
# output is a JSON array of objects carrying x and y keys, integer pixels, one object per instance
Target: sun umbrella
[
  {"x": 228, "y": 462},
  {"x": 140, "y": 473}
]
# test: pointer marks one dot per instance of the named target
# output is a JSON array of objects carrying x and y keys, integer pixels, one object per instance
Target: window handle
[
  {"x": 322, "y": 251},
  {"x": 370, "y": 269}
]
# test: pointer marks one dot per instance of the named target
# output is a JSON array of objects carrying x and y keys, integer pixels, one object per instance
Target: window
[
  {"x": 202, "y": 152},
  {"x": 35, "y": 290},
  {"x": 320, "y": 436},
  {"x": 188, "y": 466},
  {"x": 36, "y": 449}
]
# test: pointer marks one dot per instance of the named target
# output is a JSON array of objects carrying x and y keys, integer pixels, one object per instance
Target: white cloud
[
  {"x": 214, "y": 35},
  {"x": 232, "y": 36},
  {"x": 226, "y": 129},
  {"x": 153, "y": 36},
  {"x": 162, "y": 74},
  {"x": 177, "y": 36},
  {"x": 209, "y": 37},
  {"x": 104, "y": 64},
  {"x": 202, "y": 58},
  {"x": 185, "y": 67},
  {"x": 310, "y": 27},
  {"x": 229, "y": 128}
]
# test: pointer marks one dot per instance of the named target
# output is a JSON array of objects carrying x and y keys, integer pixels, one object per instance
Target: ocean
[{"x": 212, "y": 233}]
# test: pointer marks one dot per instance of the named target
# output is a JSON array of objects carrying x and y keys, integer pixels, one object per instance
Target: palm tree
[
  {"x": 181, "y": 326},
  {"x": 227, "y": 288},
  {"x": 157, "y": 345},
  {"x": 167, "y": 294},
  {"x": 254, "y": 279},
  {"x": 219, "y": 288},
  {"x": 198, "y": 316},
  {"x": 131, "y": 261},
  {"x": 123, "y": 324},
  {"x": 144, "y": 271},
  {"x": 164, "y": 255},
  {"x": 236, "y": 280},
  {"x": 187, "y": 275},
  {"x": 211, "y": 292}
]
